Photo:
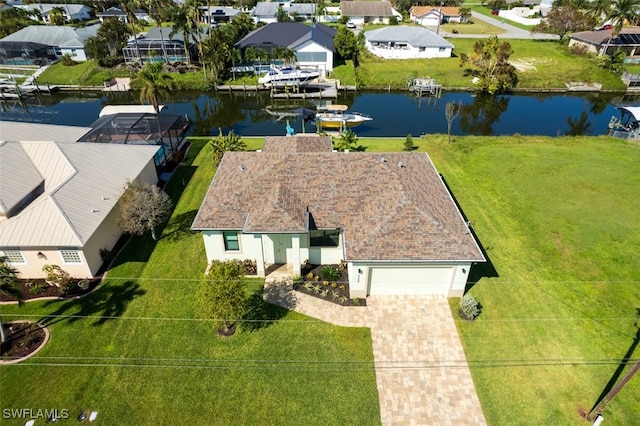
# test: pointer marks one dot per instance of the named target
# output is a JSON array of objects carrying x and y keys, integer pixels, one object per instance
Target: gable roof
[
  {"x": 116, "y": 11},
  {"x": 53, "y": 35},
  {"x": 288, "y": 34},
  {"x": 365, "y": 8},
  {"x": 388, "y": 212},
  {"x": 82, "y": 184},
  {"x": 415, "y": 36},
  {"x": 629, "y": 36}
]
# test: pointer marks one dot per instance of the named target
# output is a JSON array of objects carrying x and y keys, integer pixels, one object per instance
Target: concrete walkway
[{"x": 421, "y": 369}]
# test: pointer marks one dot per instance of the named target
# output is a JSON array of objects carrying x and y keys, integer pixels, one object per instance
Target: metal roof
[
  {"x": 18, "y": 177},
  {"x": 83, "y": 183},
  {"x": 53, "y": 35},
  {"x": 415, "y": 36},
  {"x": 19, "y": 131},
  {"x": 44, "y": 8}
]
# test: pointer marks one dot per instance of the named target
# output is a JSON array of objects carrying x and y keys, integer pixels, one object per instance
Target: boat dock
[
  {"x": 317, "y": 89},
  {"x": 424, "y": 86}
]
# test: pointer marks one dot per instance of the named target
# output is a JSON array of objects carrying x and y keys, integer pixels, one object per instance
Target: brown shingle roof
[
  {"x": 423, "y": 10},
  {"x": 602, "y": 37},
  {"x": 387, "y": 212},
  {"x": 365, "y": 8},
  {"x": 301, "y": 143}
]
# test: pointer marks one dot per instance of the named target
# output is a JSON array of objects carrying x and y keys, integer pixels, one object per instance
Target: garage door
[{"x": 410, "y": 280}]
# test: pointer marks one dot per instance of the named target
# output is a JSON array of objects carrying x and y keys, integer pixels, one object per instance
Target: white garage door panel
[{"x": 410, "y": 280}]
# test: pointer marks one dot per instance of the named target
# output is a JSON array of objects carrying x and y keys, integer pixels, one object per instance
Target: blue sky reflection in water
[{"x": 394, "y": 114}]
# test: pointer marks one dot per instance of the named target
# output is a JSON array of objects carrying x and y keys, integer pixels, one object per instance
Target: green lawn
[
  {"x": 135, "y": 352},
  {"x": 558, "y": 220},
  {"x": 540, "y": 64}
]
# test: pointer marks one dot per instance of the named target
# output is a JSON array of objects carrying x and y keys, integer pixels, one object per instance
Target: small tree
[
  {"x": 469, "y": 307},
  {"x": 491, "y": 68},
  {"x": 222, "y": 295},
  {"x": 142, "y": 208},
  {"x": 346, "y": 43},
  {"x": 451, "y": 111},
  {"x": 221, "y": 144},
  {"x": 348, "y": 140},
  {"x": 408, "y": 143},
  {"x": 9, "y": 286},
  {"x": 565, "y": 19}
]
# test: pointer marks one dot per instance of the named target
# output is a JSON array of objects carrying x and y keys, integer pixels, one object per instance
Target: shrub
[
  {"x": 56, "y": 275},
  {"x": 408, "y": 143},
  {"x": 106, "y": 255},
  {"x": 67, "y": 60},
  {"x": 469, "y": 307},
  {"x": 297, "y": 280},
  {"x": 36, "y": 288},
  {"x": 330, "y": 273}
]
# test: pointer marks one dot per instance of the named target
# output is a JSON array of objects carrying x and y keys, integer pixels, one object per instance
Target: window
[
  {"x": 441, "y": 49},
  {"x": 231, "y": 242},
  {"x": 70, "y": 256},
  {"x": 324, "y": 238},
  {"x": 311, "y": 56},
  {"x": 14, "y": 256},
  {"x": 74, "y": 53},
  {"x": 421, "y": 49}
]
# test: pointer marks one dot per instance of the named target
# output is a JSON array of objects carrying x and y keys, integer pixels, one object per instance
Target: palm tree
[
  {"x": 9, "y": 286},
  {"x": 184, "y": 25},
  {"x": 155, "y": 12},
  {"x": 155, "y": 84},
  {"x": 599, "y": 8},
  {"x": 56, "y": 17},
  {"x": 129, "y": 7},
  {"x": 193, "y": 10}
]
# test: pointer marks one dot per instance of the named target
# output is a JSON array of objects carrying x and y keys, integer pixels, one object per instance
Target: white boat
[
  {"x": 337, "y": 117},
  {"x": 627, "y": 126},
  {"x": 287, "y": 75}
]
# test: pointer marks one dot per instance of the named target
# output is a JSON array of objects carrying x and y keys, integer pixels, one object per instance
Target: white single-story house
[
  {"x": 368, "y": 12},
  {"x": 432, "y": 16},
  {"x": 46, "y": 42},
  {"x": 116, "y": 12},
  {"x": 266, "y": 11},
  {"x": 313, "y": 44},
  {"x": 71, "y": 12},
  {"x": 600, "y": 42},
  {"x": 403, "y": 42},
  {"x": 388, "y": 215},
  {"x": 58, "y": 201}
]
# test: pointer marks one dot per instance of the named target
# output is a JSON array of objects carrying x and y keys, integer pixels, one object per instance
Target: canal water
[{"x": 394, "y": 114}]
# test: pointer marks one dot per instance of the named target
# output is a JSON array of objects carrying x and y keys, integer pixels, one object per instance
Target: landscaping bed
[
  {"x": 22, "y": 339},
  {"x": 327, "y": 282},
  {"x": 39, "y": 288}
]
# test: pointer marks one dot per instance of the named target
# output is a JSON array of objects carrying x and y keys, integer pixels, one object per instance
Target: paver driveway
[{"x": 421, "y": 370}]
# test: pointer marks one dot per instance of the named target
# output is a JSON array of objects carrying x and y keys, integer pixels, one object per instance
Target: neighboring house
[
  {"x": 72, "y": 12},
  {"x": 116, "y": 12},
  {"x": 58, "y": 202},
  {"x": 368, "y": 12},
  {"x": 388, "y": 215},
  {"x": 38, "y": 44},
  {"x": 313, "y": 44},
  {"x": 403, "y": 42},
  {"x": 432, "y": 16},
  {"x": 157, "y": 42},
  {"x": 266, "y": 11},
  {"x": 218, "y": 14},
  {"x": 600, "y": 42},
  {"x": 5, "y": 6}
]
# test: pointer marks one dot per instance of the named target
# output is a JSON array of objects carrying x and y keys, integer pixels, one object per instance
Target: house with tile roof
[
  {"x": 368, "y": 12},
  {"x": 71, "y": 12},
  {"x": 58, "y": 201},
  {"x": 42, "y": 43},
  {"x": 388, "y": 215},
  {"x": 404, "y": 42},
  {"x": 313, "y": 44},
  {"x": 432, "y": 16},
  {"x": 600, "y": 42}
]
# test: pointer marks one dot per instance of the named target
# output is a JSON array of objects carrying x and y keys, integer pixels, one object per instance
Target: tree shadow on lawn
[
  {"x": 478, "y": 269},
  {"x": 106, "y": 303},
  {"x": 261, "y": 314},
  {"x": 179, "y": 226}
]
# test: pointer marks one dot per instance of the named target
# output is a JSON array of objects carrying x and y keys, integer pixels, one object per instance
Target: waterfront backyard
[{"x": 557, "y": 218}]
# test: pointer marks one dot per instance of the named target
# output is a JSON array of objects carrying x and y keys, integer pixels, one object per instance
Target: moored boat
[
  {"x": 337, "y": 117},
  {"x": 288, "y": 76},
  {"x": 627, "y": 126}
]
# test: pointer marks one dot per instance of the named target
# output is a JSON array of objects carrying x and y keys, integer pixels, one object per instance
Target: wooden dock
[
  {"x": 318, "y": 89},
  {"x": 424, "y": 86}
]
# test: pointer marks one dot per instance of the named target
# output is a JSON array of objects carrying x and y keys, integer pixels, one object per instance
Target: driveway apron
[{"x": 422, "y": 373}]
